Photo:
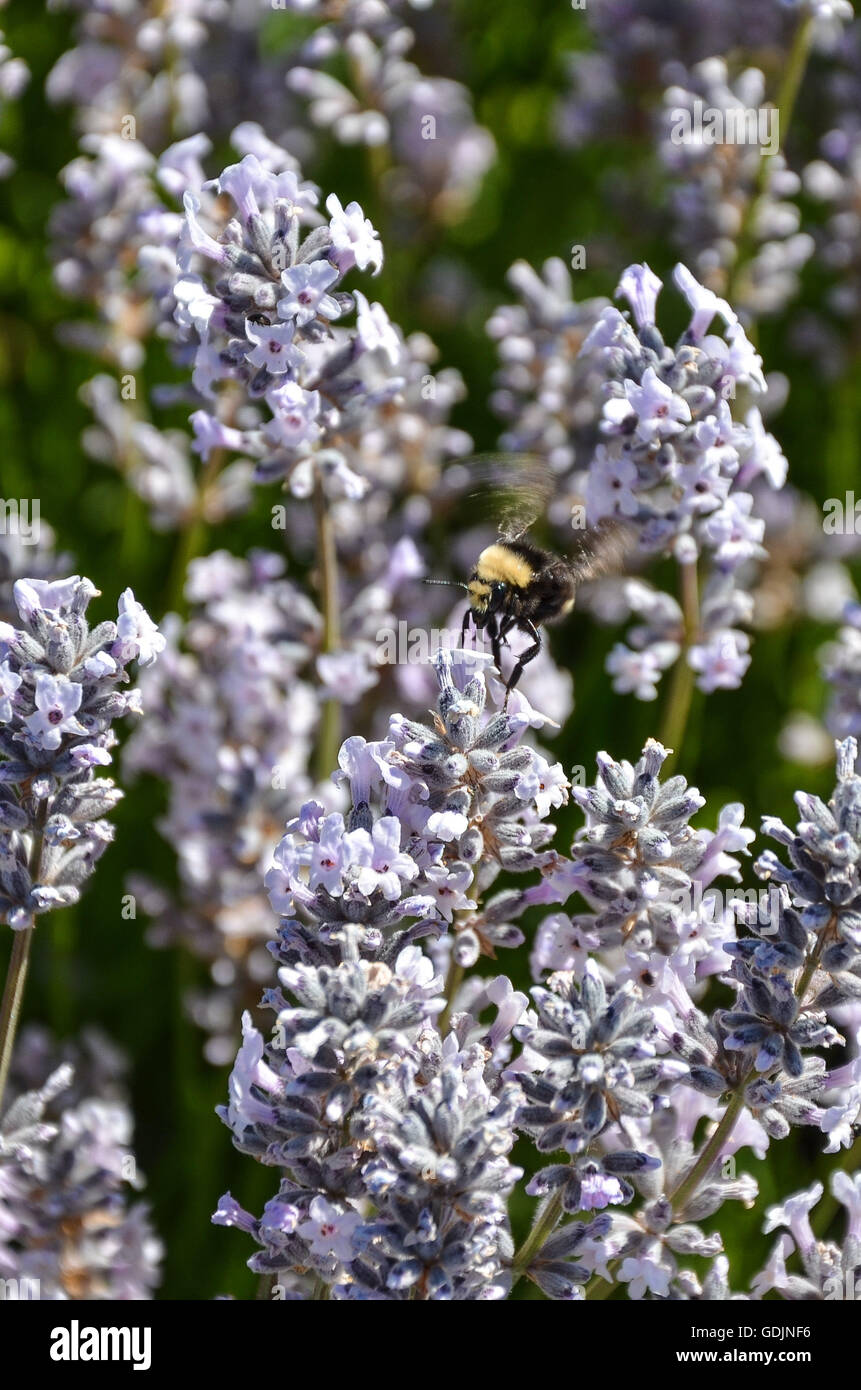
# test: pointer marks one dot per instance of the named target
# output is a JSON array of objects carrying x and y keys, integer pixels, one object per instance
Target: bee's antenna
[{"x": 454, "y": 583}]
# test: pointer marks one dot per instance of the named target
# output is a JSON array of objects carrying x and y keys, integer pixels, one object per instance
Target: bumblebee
[{"x": 514, "y": 585}]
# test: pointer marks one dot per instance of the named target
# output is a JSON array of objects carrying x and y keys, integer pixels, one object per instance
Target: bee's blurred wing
[
  {"x": 601, "y": 549},
  {"x": 511, "y": 490}
]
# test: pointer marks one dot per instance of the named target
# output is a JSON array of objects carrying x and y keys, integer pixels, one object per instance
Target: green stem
[
  {"x": 455, "y": 973},
  {"x": 711, "y": 1150},
  {"x": 599, "y": 1289},
  {"x": 327, "y": 561},
  {"x": 689, "y": 1184},
  {"x": 190, "y": 539},
  {"x": 682, "y": 1193},
  {"x": 452, "y": 984},
  {"x": 16, "y": 978},
  {"x": 188, "y": 542},
  {"x": 812, "y": 965},
  {"x": 793, "y": 75},
  {"x": 787, "y": 96},
  {"x": 13, "y": 994},
  {"x": 546, "y": 1221},
  {"x": 678, "y": 708},
  {"x": 134, "y": 531}
]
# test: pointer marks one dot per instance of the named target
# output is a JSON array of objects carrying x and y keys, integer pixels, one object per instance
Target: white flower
[
  {"x": 138, "y": 636},
  {"x": 640, "y": 671},
  {"x": 354, "y": 240},
  {"x": 660, "y": 412},
  {"x": 795, "y": 1213},
  {"x": 51, "y": 596},
  {"x": 644, "y": 1274},
  {"x": 295, "y": 411},
  {"x": 57, "y": 699},
  {"x": 9, "y": 683},
  {"x": 640, "y": 286},
  {"x": 375, "y": 329},
  {"x": 306, "y": 298},
  {"x": 544, "y": 783},
  {"x": 704, "y": 303},
  {"x": 611, "y": 483},
  {"x": 273, "y": 347},
  {"x": 329, "y": 1231}
]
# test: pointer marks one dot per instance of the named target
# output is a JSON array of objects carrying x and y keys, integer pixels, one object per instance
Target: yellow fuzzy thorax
[{"x": 499, "y": 565}]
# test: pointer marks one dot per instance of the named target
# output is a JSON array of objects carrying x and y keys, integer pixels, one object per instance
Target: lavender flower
[
  {"x": 463, "y": 798},
  {"x": 755, "y": 1048},
  {"x": 828, "y": 1267},
  {"x": 274, "y": 335},
  {"x": 358, "y": 1097},
  {"x": 611, "y": 87},
  {"x": 744, "y": 1066},
  {"x": 440, "y": 1180},
  {"x": 830, "y": 179},
  {"x": 676, "y": 465},
  {"x": 647, "y": 1247},
  {"x": 98, "y": 1065},
  {"x": 109, "y": 185},
  {"x": 544, "y": 390},
  {"x": 597, "y": 1060},
  {"x": 822, "y": 879},
  {"x": 161, "y": 63},
  {"x": 649, "y": 878},
  {"x": 61, "y": 694},
  {"x": 231, "y": 726},
  {"x": 68, "y": 1229},
  {"x": 438, "y": 152},
  {"x": 717, "y": 196},
  {"x": 389, "y": 1076}
]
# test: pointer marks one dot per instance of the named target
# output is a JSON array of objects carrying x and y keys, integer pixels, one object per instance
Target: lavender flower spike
[{"x": 61, "y": 689}]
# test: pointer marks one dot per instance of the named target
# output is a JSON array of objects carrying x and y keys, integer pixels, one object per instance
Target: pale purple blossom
[
  {"x": 306, "y": 285},
  {"x": 138, "y": 638},
  {"x": 61, "y": 689},
  {"x": 674, "y": 464},
  {"x": 375, "y": 330},
  {"x": 10, "y": 682},
  {"x": 57, "y": 701},
  {"x": 329, "y": 1231},
  {"x": 273, "y": 348},
  {"x": 295, "y": 422},
  {"x": 354, "y": 240}
]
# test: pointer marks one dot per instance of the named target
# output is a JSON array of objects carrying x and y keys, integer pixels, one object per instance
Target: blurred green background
[{"x": 91, "y": 966}]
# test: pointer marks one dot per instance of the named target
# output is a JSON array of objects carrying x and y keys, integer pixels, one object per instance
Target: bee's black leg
[
  {"x": 524, "y": 659},
  {"x": 493, "y": 634},
  {"x": 464, "y": 625},
  {"x": 504, "y": 628}
]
